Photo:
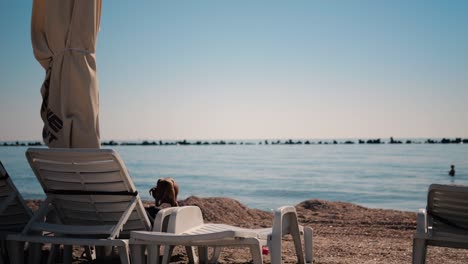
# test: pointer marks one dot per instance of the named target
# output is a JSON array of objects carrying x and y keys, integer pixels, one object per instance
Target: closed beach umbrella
[{"x": 64, "y": 34}]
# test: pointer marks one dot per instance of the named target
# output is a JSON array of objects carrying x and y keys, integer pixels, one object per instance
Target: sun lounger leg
[
  {"x": 256, "y": 252},
  {"x": 419, "y": 251},
  {"x": 16, "y": 251},
  {"x": 3, "y": 251},
  {"x": 167, "y": 254},
  {"x": 52, "y": 253},
  {"x": 216, "y": 254},
  {"x": 137, "y": 254},
  {"x": 308, "y": 245},
  {"x": 153, "y": 253},
  {"x": 67, "y": 254},
  {"x": 35, "y": 253},
  {"x": 275, "y": 249},
  {"x": 191, "y": 254},
  {"x": 296, "y": 236},
  {"x": 203, "y": 255},
  {"x": 123, "y": 253}
]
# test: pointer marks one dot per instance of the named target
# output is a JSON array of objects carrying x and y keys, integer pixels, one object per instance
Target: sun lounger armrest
[
  {"x": 421, "y": 221},
  {"x": 285, "y": 223},
  {"x": 285, "y": 209},
  {"x": 73, "y": 229},
  {"x": 285, "y": 218},
  {"x": 162, "y": 218}
]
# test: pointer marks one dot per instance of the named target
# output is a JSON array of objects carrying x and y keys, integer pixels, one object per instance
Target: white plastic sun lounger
[
  {"x": 14, "y": 213},
  {"x": 92, "y": 196},
  {"x": 444, "y": 223},
  {"x": 186, "y": 228}
]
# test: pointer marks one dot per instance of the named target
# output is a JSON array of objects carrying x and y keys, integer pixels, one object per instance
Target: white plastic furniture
[
  {"x": 444, "y": 222},
  {"x": 92, "y": 196},
  {"x": 187, "y": 228}
]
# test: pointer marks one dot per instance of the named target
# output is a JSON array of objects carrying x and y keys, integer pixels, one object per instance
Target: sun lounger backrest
[
  {"x": 14, "y": 214},
  {"x": 448, "y": 206},
  {"x": 80, "y": 170},
  {"x": 88, "y": 186}
]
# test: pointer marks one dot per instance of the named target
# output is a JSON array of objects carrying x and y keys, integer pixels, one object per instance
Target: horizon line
[{"x": 254, "y": 139}]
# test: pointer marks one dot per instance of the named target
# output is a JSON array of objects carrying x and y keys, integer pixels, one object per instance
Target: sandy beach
[{"x": 343, "y": 232}]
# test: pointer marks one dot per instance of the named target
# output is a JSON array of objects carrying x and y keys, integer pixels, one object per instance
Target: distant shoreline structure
[{"x": 251, "y": 142}]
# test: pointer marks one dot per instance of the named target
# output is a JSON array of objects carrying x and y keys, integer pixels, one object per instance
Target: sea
[{"x": 389, "y": 176}]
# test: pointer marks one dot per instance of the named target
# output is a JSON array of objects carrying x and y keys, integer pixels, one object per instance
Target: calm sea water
[{"x": 266, "y": 176}]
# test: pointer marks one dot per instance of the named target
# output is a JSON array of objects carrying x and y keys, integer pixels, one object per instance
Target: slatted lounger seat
[{"x": 92, "y": 196}]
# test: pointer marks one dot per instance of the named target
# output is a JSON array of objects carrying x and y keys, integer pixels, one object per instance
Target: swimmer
[{"x": 452, "y": 170}]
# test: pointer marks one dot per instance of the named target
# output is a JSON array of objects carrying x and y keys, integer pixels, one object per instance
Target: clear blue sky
[{"x": 251, "y": 69}]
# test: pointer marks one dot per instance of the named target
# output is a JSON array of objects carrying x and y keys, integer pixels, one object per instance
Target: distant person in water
[{"x": 452, "y": 170}]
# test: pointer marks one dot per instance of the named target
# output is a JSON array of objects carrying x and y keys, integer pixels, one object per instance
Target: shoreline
[{"x": 343, "y": 232}]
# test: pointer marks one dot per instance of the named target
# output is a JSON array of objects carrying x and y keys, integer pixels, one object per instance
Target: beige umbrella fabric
[{"x": 64, "y": 34}]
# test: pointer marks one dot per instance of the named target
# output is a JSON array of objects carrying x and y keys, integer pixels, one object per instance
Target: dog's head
[{"x": 165, "y": 191}]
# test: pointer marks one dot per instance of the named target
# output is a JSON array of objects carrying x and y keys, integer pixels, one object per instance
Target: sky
[{"x": 258, "y": 69}]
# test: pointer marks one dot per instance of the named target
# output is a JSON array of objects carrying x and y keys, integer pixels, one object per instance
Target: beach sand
[{"x": 343, "y": 232}]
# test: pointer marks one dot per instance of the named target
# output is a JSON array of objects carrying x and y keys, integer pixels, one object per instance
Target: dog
[{"x": 165, "y": 191}]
